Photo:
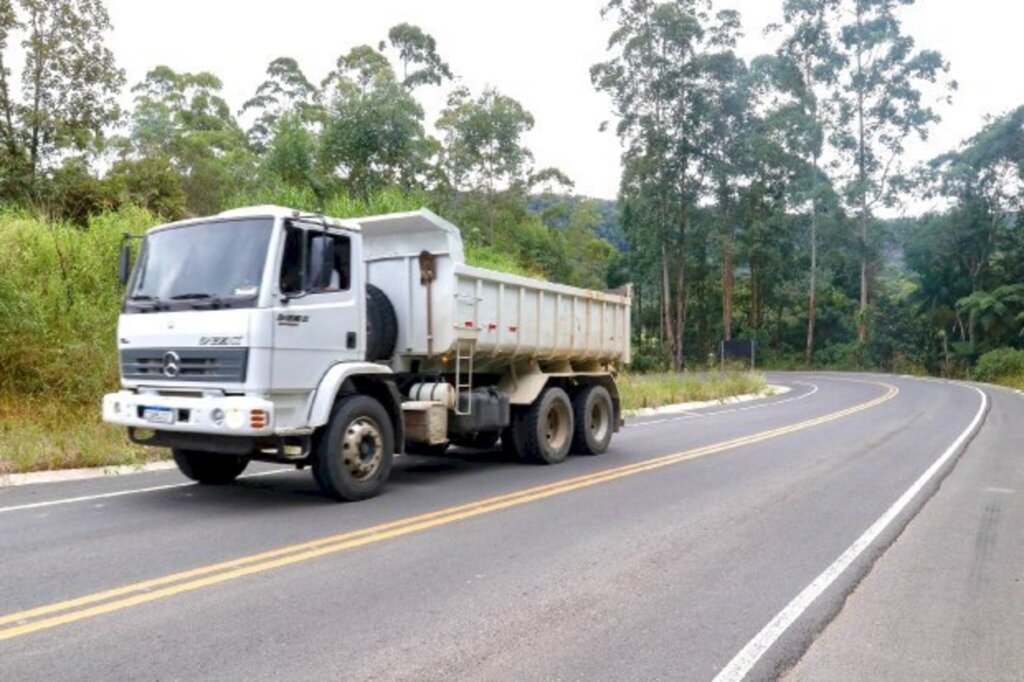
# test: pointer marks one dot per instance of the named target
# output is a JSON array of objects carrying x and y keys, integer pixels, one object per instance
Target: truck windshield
[{"x": 218, "y": 262}]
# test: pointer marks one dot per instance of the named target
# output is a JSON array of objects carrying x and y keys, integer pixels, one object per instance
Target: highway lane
[{"x": 663, "y": 570}]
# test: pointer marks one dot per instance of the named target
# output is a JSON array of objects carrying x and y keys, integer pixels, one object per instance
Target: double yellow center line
[{"x": 72, "y": 610}]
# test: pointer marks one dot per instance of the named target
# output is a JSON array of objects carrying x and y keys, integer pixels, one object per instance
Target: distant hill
[{"x": 609, "y": 227}]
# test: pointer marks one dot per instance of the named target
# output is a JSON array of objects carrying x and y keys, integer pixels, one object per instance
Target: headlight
[
  {"x": 235, "y": 419},
  {"x": 217, "y": 415},
  {"x": 117, "y": 407}
]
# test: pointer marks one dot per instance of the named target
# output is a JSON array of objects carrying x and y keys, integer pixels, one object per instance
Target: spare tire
[{"x": 381, "y": 325}]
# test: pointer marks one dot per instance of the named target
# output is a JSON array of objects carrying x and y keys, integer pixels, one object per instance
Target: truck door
[{"x": 317, "y": 319}]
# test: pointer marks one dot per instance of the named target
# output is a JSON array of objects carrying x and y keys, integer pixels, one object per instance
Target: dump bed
[{"x": 507, "y": 316}]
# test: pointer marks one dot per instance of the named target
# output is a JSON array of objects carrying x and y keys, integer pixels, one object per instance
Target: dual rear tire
[
  {"x": 555, "y": 425},
  {"x": 594, "y": 414}
]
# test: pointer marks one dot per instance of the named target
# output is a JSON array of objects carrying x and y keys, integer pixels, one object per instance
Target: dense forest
[{"x": 758, "y": 198}]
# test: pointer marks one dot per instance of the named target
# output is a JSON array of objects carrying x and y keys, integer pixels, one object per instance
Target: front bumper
[{"x": 191, "y": 414}]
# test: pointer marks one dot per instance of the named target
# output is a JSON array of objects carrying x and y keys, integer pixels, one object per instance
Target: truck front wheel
[
  {"x": 595, "y": 414},
  {"x": 544, "y": 431},
  {"x": 209, "y": 468},
  {"x": 353, "y": 460}
]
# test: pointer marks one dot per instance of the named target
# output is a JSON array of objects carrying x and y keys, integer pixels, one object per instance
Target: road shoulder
[{"x": 945, "y": 601}]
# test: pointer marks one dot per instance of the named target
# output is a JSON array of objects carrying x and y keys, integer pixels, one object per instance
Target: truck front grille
[{"x": 220, "y": 365}]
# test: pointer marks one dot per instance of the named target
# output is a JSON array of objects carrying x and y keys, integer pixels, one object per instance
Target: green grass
[
  {"x": 656, "y": 390},
  {"x": 59, "y": 301},
  {"x": 491, "y": 258},
  {"x": 40, "y": 435},
  {"x": 1014, "y": 381}
]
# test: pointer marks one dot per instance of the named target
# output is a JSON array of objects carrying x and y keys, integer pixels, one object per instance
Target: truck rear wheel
[
  {"x": 544, "y": 431},
  {"x": 594, "y": 416},
  {"x": 209, "y": 468},
  {"x": 353, "y": 459}
]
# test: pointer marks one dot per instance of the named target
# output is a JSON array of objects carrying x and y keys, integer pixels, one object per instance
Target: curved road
[{"x": 856, "y": 527}]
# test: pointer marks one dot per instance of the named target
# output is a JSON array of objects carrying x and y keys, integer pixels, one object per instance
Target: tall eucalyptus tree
[
  {"x": 664, "y": 75},
  {"x": 882, "y": 105},
  {"x": 810, "y": 48}
]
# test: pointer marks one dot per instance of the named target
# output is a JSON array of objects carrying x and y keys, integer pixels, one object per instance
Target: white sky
[{"x": 538, "y": 51}]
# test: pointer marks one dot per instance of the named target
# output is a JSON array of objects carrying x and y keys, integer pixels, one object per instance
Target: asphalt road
[{"x": 857, "y": 527}]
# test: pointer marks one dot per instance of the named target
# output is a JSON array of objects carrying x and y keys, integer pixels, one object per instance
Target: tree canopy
[{"x": 757, "y": 196}]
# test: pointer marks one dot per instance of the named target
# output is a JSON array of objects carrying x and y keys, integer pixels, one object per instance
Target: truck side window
[
  {"x": 343, "y": 262},
  {"x": 301, "y": 265},
  {"x": 291, "y": 263}
]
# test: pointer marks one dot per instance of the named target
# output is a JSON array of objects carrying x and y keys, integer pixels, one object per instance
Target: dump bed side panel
[
  {"x": 521, "y": 317},
  {"x": 506, "y": 315}
]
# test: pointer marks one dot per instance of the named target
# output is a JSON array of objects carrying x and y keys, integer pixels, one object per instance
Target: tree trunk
[
  {"x": 637, "y": 325},
  {"x": 660, "y": 304},
  {"x": 754, "y": 317},
  {"x": 862, "y": 320},
  {"x": 678, "y": 361},
  {"x": 37, "y": 85},
  {"x": 678, "y": 351},
  {"x": 812, "y": 304},
  {"x": 728, "y": 282},
  {"x": 10, "y": 139},
  {"x": 667, "y": 305}
]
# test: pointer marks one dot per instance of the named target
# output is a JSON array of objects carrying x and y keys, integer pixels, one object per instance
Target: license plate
[{"x": 158, "y": 415}]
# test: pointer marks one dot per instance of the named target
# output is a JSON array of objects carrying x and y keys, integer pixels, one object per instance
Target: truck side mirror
[
  {"x": 124, "y": 264},
  {"x": 321, "y": 264}
]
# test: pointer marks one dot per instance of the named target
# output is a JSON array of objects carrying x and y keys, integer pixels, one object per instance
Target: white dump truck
[{"x": 268, "y": 334}]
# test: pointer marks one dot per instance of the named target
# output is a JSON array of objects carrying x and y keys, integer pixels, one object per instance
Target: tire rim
[
  {"x": 362, "y": 448},
  {"x": 600, "y": 420},
  {"x": 556, "y": 426}
]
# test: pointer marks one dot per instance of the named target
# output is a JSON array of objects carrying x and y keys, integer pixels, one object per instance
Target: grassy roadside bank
[
  {"x": 37, "y": 434},
  {"x": 656, "y": 390},
  {"x": 1016, "y": 382}
]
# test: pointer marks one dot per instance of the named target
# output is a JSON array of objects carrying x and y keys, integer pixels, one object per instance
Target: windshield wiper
[
  {"x": 145, "y": 302},
  {"x": 214, "y": 301}
]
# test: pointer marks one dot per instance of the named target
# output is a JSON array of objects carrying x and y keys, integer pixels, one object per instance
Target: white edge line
[
  {"x": 695, "y": 415},
  {"x": 749, "y": 655},
  {"x": 122, "y": 493}
]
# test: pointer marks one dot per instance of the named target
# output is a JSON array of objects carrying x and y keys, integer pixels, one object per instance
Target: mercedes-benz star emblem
[{"x": 172, "y": 364}]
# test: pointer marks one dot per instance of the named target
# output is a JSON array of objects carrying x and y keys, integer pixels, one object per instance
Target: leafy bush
[
  {"x": 649, "y": 355},
  {"x": 495, "y": 259},
  {"x": 59, "y": 301},
  {"x": 850, "y": 356},
  {"x": 1000, "y": 364}
]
